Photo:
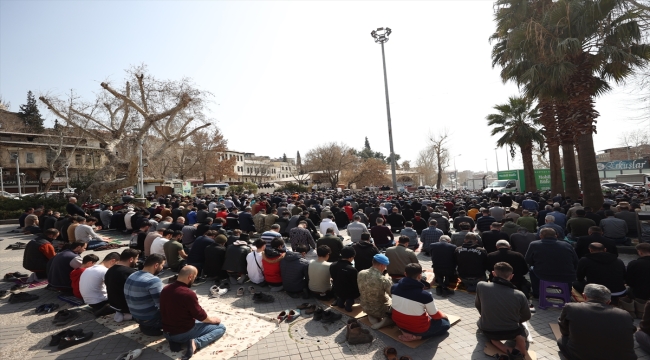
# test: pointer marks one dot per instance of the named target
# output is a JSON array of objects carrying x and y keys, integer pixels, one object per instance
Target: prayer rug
[
  {"x": 393, "y": 331},
  {"x": 244, "y": 328}
]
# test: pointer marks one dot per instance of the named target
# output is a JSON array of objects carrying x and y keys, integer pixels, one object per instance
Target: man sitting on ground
[
  {"x": 196, "y": 257},
  {"x": 254, "y": 262},
  {"x": 527, "y": 221},
  {"x": 75, "y": 275},
  {"x": 601, "y": 267},
  {"x": 84, "y": 232},
  {"x": 429, "y": 236},
  {"x": 414, "y": 244},
  {"x": 38, "y": 252},
  {"x": 299, "y": 235},
  {"x": 399, "y": 256},
  {"x": 503, "y": 310},
  {"x": 92, "y": 287},
  {"x": 615, "y": 229},
  {"x": 578, "y": 225},
  {"x": 595, "y": 234},
  {"x": 344, "y": 279},
  {"x": 550, "y": 223},
  {"x": 173, "y": 249},
  {"x": 551, "y": 260},
  {"x": 294, "y": 272},
  {"x": 355, "y": 229},
  {"x": 215, "y": 256},
  {"x": 459, "y": 238},
  {"x": 518, "y": 263},
  {"x": 115, "y": 278},
  {"x": 333, "y": 242},
  {"x": 374, "y": 289},
  {"x": 443, "y": 261},
  {"x": 183, "y": 319},
  {"x": 471, "y": 260},
  {"x": 142, "y": 293},
  {"x": 62, "y": 264},
  {"x": 636, "y": 276},
  {"x": 414, "y": 310},
  {"x": 595, "y": 330},
  {"x": 491, "y": 237},
  {"x": 320, "y": 283},
  {"x": 382, "y": 235}
]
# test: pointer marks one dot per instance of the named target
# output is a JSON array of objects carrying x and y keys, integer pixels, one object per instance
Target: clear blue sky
[{"x": 286, "y": 75}]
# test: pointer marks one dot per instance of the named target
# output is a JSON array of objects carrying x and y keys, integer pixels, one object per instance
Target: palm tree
[
  {"x": 518, "y": 123},
  {"x": 571, "y": 49}
]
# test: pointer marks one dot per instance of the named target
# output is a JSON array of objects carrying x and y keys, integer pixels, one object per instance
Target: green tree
[
  {"x": 569, "y": 50},
  {"x": 518, "y": 124},
  {"x": 284, "y": 157},
  {"x": 30, "y": 115},
  {"x": 367, "y": 153}
]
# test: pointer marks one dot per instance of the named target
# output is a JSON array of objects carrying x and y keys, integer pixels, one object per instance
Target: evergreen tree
[
  {"x": 30, "y": 115},
  {"x": 367, "y": 144},
  {"x": 284, "y": 157},
  {"x": 299, "y": 162},
  {"x": 367, "y": 152}
]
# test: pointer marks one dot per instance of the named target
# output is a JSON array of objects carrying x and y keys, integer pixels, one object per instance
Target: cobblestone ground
[{"x": 25, "y": 335}]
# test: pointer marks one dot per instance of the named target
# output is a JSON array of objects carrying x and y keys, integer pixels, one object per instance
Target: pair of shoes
[
  {"x": 326, "y": 316},
  {"x": 355, "y": 334},
  {"x": 251, "y": 290},
  {"x": 22, "y": 297},
  {"x": 15, "y": 276},
  {"x": 263, "y": 298},
  {"x": 56, "y": 339},
  {"x": 289, "y": 315},
  {"x": 46, "y": 308},
  {"x": 133, "y": 354},
  {"x": 64, "y": 317},
  {"x": 216, "y": 291}
]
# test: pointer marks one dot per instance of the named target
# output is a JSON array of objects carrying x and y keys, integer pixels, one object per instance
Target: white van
[{"x": 219, "y": 189}]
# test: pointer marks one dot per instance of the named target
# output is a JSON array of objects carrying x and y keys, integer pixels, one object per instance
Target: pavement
[{"x": 25, "y": 335}]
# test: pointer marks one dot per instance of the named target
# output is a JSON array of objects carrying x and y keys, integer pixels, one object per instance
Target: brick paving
[{"x": 24, "y": 334}]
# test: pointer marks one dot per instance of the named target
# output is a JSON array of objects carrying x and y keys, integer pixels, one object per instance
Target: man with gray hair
[
  {"x": 595, "y": 330},
  {"x": 550, "y": 223},
  {"x": 518, "y": 263},
  {"x": 356, "y": 228},
  {"x": 443, "y": 261}
]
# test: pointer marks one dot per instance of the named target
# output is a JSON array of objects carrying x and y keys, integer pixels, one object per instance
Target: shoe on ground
[
  {"x": 251, "y": 289},
  {"x": 293, "y": 315},
  {"x": 439, "y": 290},
  {"x": 40, "y": 308},
  {"x": 73, "y": 340},
  {"x": 66, "y": 317},
  {"x": 263, "y": 298},
  {"x": 357, "y": 335},
  {"x": 22, "y": 297},
  {"x": 318, "y": 314},
  {"x": 56, "y": 339},
  {"x": 531, "y": 307},
  {"x": 4, "y": 294},
  {"x": 18, "y": 288},
  {"x": 240, "y": 291},
  {"x": 281, "y": 316},
  {"x": 50, "y": 307},
  {"x": 310, "y": 309},
  {"x": 330, "y": 316},
  {"x": 447, "y": 292},
  {"x": 133, "y": 354}
]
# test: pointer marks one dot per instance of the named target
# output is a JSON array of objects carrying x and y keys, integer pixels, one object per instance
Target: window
[
  {"x": 78, "y": 160},
  {"x": 89, "y": 159},
  {"x": 30, "y": 158}
]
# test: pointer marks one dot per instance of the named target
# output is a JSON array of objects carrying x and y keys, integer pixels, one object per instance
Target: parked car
[{"x": 7, "y": 195}]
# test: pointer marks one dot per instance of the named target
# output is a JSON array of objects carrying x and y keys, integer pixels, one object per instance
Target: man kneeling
[
  {"x": 503, "y": 310},
  {"x": 414, "y": 310},
  {"x": 183, "y": 319}
]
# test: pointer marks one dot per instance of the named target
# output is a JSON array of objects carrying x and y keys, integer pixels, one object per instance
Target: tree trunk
[
  {"x": 49, "y": 182},
  {"x": 439, "y": 178},
  {"x": 100, "y": 188},
  {"x": 547, "y": 119},
  {"x": 529, "y": 171},
  {"x": 566, "y": 136},
  {"x": 584, "y": 116}
]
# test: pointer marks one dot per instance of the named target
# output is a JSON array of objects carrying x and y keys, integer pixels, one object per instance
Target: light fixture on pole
[
  {"x": 24, "y": 176},
  {"x": 496, "y": 157},
  {"x": 15, "y": 156},
  {"x": 381, "y": 36},
  {"x": 2, "y": 183}
]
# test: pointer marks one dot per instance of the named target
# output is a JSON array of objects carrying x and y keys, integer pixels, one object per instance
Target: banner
[{"x": 623, "y": 165}]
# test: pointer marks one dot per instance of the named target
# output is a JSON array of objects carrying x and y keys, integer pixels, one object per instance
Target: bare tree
[
  {"x": 637, "y": 143},
  {"x": 121, "y": 117},
  {"x": 4, "y": 105},
  {"x": 331, "y": 158},
  {"x": 365, "y": 172},
  {"x": 438, "y": 144},
  {"x": 211, "y": 166},
  {"x": 426, "y": 165},
  {"x": 61, "y": 149}
]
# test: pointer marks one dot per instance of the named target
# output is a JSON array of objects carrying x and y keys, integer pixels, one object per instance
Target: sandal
[
  {"x": 251, "y": 289},
  {"x": 240, "y": 291},
  {"x": 390, "y": 353}
]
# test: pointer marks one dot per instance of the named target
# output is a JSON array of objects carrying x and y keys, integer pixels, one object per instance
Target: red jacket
[{"x": 271, "y": 266}]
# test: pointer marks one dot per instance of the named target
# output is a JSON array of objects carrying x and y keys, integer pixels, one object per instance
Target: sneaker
[
  {"x": 240, "y": 291},
  {"x": 73, "y": 340},
  {"x": 531, "y": 307},
  {"x": 263, "y": 298},
  {"x": 251, "y": 289},
  {"x": 118, "y": 317},
  {"x": 130, "y": 355},
  {"x": 330, "y": 316},
  {"x": 22, "y": 297},
  {"x": 199, "y": 281}
]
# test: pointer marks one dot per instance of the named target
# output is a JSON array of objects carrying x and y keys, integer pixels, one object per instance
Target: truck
[
  {"x": 635, "y": 179},
  {"x": 514, "y": 181},
  {"x": 477, "y": 184}
]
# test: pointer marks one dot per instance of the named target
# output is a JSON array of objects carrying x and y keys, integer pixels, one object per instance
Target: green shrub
[
  {"x": 291, "y": 187},
  {"x": 250, "y": 187}
]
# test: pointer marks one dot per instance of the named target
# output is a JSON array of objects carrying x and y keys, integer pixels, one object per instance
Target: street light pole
[
  {"x": 2, "y": 183},
  {"x": 497, "y": 158},
  {"x": 381, "y": 36},
  {"x": 18, "y": 175},
  {"x": 67, "y": 179}
]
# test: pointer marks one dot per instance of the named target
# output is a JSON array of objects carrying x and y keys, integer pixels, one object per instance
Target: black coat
[
  {"x": 215, "y": 256},
  {"x": 602, "y": 268},
  {"x": 365, "y": 251},
  {"x": 471, "y": 260},
  {"x": 490, "y": 239},
  {"x": 236, "y": 258},
  {"x": 515, "y": 259},
  {"x": 637, "y": 277},
  {"x": 443, "y": 256},
  {"x": 582, "y": 246},
  {"x": 344, "y": 280}
]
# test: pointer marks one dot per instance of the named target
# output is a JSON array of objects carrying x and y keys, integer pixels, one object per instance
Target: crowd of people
[{"x": 498, "y": 246}]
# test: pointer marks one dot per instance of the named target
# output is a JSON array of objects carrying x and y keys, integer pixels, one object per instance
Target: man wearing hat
[{"x": 374, "y": 289}]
